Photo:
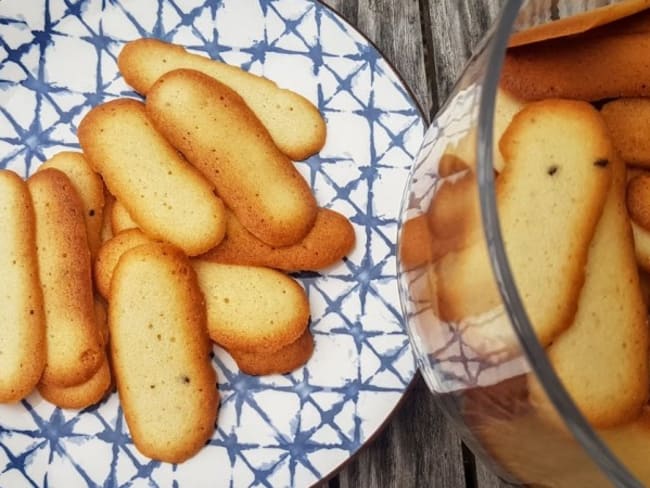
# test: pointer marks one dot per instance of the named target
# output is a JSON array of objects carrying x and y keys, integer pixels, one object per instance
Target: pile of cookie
[
  {"x": 572, "y": 161},
  {"x": 174, "y": 229}
]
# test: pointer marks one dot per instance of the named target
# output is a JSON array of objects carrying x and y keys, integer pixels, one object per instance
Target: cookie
[
  {"x": 282, "y": 361},
  {"x": 216, "y": 131},
  {"x": 578, "y": 23},
  {"x": 536, "y": 451},
  {"x": 90, "y": 188},
  {"x": 294, "y": 123},
  {"x": 506, "y": 106},
  {"x": 638, "y": 23},
  {"x": 451, "y": 222},
  {"x": 641, "y": 246},
  {"x": 101, "y": 319},
  {"x": 638, "y": 200},
  {"x": 628, "y": 120},
  {"x": 80, "y": 396},
  {"x": 73, "y": 352},
  {"x": 22, "y": 318},
  {"x": 454, "y": 211},
  {"x": 164, "y": 374},
  {"x": 121, "y": 220},
  {"x": 166, "y": 196},
  {"x": 419, "y": 246},
  {"x": 550, "y": 197},
  {"x": 630, "y": 443},
  {"x": 110, "y": 254},
  {"x": 450, "y": 164},
  {"x": 415, "y": 241},
  {"x": 602, "y": 358},
  {"x": 328, "y": 242},
  {"x": 644, "y": 283},
  {"x": 617, "y": 65},
  {"x": 101, "y": 316},
  {"x": 250, "y": 308},
  {"x": 107, "y": 226}
]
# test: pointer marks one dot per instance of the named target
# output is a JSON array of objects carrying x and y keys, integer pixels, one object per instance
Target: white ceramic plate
[{"x": 57, "y": 60}]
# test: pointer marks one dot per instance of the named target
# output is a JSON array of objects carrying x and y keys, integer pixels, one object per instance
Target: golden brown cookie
[
  {"x": 633, "y": 24},
  {"x": 74, "y": 352},
  {"x": 578, "y": 23},
  {"x": 110, "y": 254},
  {"x": 506, "y": 106},
  {"x": 550, "y": 197},
  {"x": 251, "y": 308},
  {"x": 218, "y": 133},
  {"x": 162, "y": 366},
  {"x": 455, "y": 211},
  {"x": 451, "y": 222},
  {"x": 328, "y": 242},
  {"x": 602, "y": 358},
  {"x": 542, "y": 452},
  {"x": 167, "y": 197},
  {"x": 121, "y": 220},
  {"x": 101, "y": 318},
  {"x": 558, "y": 68},
  {"x": 294, "y": 123},
  {"x": 22, "y": 318},
  {"x": 107, "y": 226},
  {"x": 90, "y": 188},
  {"x": 415, "y": 242},
  {"x": 80, "y": 396},
  {"x": 638, "y": 200},
  {"x": 282, "y": 361},
  {"x": 628, "y": 120},
  {"x": 641, "y": 246},
  {"x": 451, "y": 164}
]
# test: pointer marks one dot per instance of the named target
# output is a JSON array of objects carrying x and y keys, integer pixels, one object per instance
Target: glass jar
[{"x": 478, "y": 307}]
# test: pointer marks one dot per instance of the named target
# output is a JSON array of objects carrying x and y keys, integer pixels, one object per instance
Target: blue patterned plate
[{"x": 57, "y": 59}]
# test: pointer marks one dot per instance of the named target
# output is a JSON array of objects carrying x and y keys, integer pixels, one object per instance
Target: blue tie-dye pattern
[{"x": 31, "y": 143}]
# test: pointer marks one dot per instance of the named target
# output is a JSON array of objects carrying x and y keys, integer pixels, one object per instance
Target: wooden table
[{"x": 428, "y": 42}]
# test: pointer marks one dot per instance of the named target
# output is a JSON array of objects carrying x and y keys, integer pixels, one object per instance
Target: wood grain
[
  {"x": 453, "y": 30},
  {"x": 428, "y": 42},
  {"x": 394, "y": 26},
  {"x": 417, "y": 447},
  {"x": 486, "y": 478}
]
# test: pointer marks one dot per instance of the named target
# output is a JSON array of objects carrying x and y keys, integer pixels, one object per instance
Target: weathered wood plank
[
  {"x": 418, "y": 448},
  {"x": 428, "y": 42},
  {"x": 455, "y": 28},
  {"x": 348, "y": 9},
  {"x": 394, "y": 26},
  {"x": 485, "y": 478}
]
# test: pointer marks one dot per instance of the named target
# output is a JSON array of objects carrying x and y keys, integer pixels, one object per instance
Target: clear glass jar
[{"x": 472, "y": 333}]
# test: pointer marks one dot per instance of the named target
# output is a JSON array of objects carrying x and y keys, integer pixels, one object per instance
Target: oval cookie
[
  {"x": 165, "y": 195},
  {"x": 284, "y": 360},
  {"x": 110, "y": 254},
  {"x": 550, "y": 196},
  {"x": 90, "y": 188},
  {"x": 294, "y": 123},
  {"x": 160, "y": 353},
  {"x": 217, "y": 132},
  {"x": 80, "y": 396},
  {"x": 328, "y": 242},
  {"x": 121, "y": 218},
  {"x": 74, "y": 352},
  {"x": 250, "y": 308},
  {"x": 22, "y": 319}
]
